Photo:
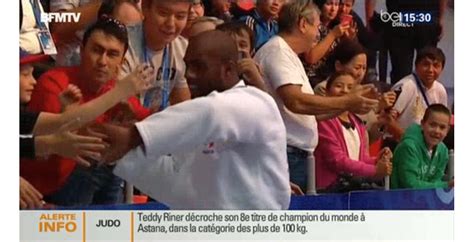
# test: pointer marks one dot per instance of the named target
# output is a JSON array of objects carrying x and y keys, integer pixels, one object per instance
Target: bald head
[
  {"x": 211, "y": 63},
  {"x": 215, "y": 43}
]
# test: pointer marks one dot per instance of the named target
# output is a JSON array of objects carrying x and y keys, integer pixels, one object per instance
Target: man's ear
[
  {"x": 228, "y": 68},
  {"x": 302, "y": 25}
]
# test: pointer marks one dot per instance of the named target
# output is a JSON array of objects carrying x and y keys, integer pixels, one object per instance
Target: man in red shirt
[{"x": 103, "y": 48}]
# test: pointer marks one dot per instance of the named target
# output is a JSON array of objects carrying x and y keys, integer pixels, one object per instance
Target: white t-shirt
[
  {"x": 29, "y": 31},
  {"x": 281, "y": 66},
  {"x": 228, "y": 151},
  {"x": 69, "y": 54},
  {"x": 411, "y": 105},
  {"x": 136, "y": 54}
]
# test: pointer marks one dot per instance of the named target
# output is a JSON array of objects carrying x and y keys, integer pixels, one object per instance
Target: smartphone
[
  {"x": 397, "y": 92},
  {"x": 346, "y": 19}
]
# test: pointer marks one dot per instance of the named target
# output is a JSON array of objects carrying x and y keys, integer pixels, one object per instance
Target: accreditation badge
[{"x": 47, "y": 43}]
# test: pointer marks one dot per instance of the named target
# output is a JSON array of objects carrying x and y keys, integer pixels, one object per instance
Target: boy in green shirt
[{"x": 420, "y": 159}]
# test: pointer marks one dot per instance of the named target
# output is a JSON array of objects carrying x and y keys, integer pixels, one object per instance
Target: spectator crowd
[{"x": 224, "y": 104}]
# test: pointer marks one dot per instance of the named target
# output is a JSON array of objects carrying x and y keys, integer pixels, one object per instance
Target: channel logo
[
  {"x": 395, "y": 18},
  {"x": 60, "y": 17}
]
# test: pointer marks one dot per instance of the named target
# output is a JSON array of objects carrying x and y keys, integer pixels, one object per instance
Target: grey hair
[{"x": 293, "y": 11}]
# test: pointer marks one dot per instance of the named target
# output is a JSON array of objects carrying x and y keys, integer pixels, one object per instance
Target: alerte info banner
[
  {"x": 160, "y": 225},
  {"x": 364, "y": 215}
]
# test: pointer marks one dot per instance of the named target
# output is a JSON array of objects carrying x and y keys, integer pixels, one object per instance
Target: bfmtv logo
[{"x": 60, "y": 17}]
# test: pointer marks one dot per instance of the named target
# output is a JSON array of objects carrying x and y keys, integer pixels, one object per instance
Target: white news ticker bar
[{"x": 49, "y": 226}]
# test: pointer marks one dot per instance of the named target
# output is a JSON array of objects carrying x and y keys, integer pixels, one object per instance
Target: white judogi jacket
[{"x": 228, "y": 151}]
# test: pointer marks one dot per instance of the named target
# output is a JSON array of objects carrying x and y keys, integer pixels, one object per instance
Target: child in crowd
[
  {"x": 244, "y": 38},
  {"x": 342, "y": 160},
  {"x": 421, "y": 158}
]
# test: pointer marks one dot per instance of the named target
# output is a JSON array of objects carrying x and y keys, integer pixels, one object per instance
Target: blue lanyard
[
  {"x": 166, "y": 76},
  {"x": 422, "y": 90},
  {"x": 37, "y": 14}
]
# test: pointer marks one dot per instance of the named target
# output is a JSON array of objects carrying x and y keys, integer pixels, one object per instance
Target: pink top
[{"x": 332, "y": 156}]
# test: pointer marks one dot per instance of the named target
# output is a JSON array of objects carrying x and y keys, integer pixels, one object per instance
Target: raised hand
[
  {"x": 137, "y": 81},
  {"x": 80, "y": 148},
  {"x": 387, "y": 100},
  {"x": 339, "y": 30},
  {"x": 351, "y": 32},
  {"x": 362, "y": 99}
]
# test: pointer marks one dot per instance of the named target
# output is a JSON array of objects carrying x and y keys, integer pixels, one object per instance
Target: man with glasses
[{"x": 287, "y": 81}]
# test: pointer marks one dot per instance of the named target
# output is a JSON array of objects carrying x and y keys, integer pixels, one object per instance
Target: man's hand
[
  {"x": 359, "y": 102},
  {"x": 69, "y": 144},
  {"x": 121, "y": 140},
  {"x": 70, "y": 98},
  {"x": 30, "y": 198},
  {"x": 137, "y": 81}
]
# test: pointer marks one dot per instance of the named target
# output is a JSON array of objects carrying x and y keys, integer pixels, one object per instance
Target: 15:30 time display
[{"x": 416, "y": 17}]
